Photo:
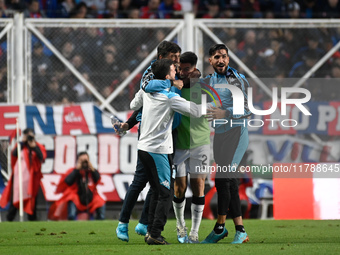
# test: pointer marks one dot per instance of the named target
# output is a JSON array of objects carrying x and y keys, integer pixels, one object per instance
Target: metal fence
[{"x": 64, "y": 61}]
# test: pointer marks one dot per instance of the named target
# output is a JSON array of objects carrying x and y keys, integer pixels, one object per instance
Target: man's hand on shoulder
[
  {"x": 178, "y": 84},
  {"x": 194, "y": 74}
]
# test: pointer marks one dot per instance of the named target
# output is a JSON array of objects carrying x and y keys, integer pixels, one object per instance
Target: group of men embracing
[{"x": 174, "y": 141}]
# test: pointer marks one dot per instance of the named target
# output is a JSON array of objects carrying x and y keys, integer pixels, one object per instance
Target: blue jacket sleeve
[
  {"x": 177, "y": 120},
  {"x": 156, "y": 85}
]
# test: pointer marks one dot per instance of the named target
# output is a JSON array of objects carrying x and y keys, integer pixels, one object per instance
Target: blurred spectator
[
  {"x": 33, "y": 155},
  {"x": 83, "y": 93},
  {"x": 293, "y": 10},
  {"x": 78, "y": 63},
  {"x": 309, "y": 9},
  {"x": 140, "y": 3},
  {"x": 268, "y": 15},
  {"x": 133, "y": 13},
  {"x": 265, "y": 37},
  {"x": 96, "y": 7},
  {"x": 64, "y": 34},
  {"x": 232, "y": 9},
  {"x": 330, "y": 91},
  {"x": 3, "y": 84},
  {"x": 52, "y": 95},
  {"x": 335, "y": 72},
  {"x": 299, "y": 69},
  {"x": 201, "y": 7},
  {"x": 68, "y": 50},
  {"x": 312, "y": 45},
  {"x": 3, "y": 12},
  {"x": 17, "y": 5},
  {"x": 160, "y": 35},
  {"x": 250, "y": 48},
  {"x": 213, "y": 10},
  {"x": 78, "y": 186},
  {"x": 107, "y": 71},
  {"x": 90, "y": 46},
  {"x": 168, "y": 8},
  {"x": 33, "y": 10},
  {"x": 40, "y": 67},
  {"x": 66, "y": 83},
  {"x": 282, "y": 58},
  {"x": 291, "y": 43},
  {"x": 125, "y": 7},
  {"x": 274, "y": 7},
  {"x": 151, "y": 10},
  {"x": 121, "y": 102},
  {"x": 267, "y": 64},
  {"x": 141, "y": 53},
  {"x": 80, "y": 11},
  {"x": 111, "y": 10},
  {"x": 250, "y": 9},
  {"x": 79, "y": 87},
  {"x": 35, "y": 39},
  {"x": 329, "y": 37},
  {"x": 232, "y": 46},
  {"x": 331, "y": 9},
  {"x": 227, "y": 33},
  {"x": 65, "y": 8}
]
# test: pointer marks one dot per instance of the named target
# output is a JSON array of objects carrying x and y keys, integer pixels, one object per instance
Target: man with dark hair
[
  {"x": 33, "y": 154},
  {"x": 155, "y": 144},
  {"x": 165, "y": 50},
  {"x": 230, "y": 144},
  {"x": 78, "y": 186},
  {"x": 192, "y": 151}
]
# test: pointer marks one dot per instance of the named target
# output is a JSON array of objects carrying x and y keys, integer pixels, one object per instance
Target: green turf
[{"x": 98, "y": 237}]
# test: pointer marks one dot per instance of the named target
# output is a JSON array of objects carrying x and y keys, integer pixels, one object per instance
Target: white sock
[
  {"x": 179, "y": 213},
  {"x": 196, "y": 217}
]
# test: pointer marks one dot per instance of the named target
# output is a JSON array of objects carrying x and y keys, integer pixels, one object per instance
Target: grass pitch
[{"x": 98, "y": 237}]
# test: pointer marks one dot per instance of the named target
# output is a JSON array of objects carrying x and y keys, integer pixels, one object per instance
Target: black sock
[
  {"x": 218, "y": 229},
  {"x": 240, "y": 228},
  {"x": 178, "y": 200}
]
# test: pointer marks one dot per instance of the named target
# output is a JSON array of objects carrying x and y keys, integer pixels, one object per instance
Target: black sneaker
[{"x": 156, "y": 241}]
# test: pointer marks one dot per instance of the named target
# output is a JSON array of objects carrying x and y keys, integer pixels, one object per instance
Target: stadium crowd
[
  {"x": 164, "y": 9},
  {"x": 105, "y": 60}
]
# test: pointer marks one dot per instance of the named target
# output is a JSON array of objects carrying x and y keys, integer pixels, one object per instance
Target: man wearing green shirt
[{"x": 192, "y": 153}]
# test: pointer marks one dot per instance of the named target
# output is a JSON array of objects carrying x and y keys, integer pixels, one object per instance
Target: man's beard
[{"x": 224, "y": 69}]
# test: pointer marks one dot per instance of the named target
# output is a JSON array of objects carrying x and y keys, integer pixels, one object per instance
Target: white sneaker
[
  {"x": 182, "y": 235},
  {"x": 193, "y": 238}
]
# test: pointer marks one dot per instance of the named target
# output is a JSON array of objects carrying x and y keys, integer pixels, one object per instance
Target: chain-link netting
[
  {"x": 107, "y": 56},
  {"x": 3, "y": 68},
  {"x": 104, "y": 56},
  {"x": 282, "y": 53},
  {"x": 3, "y": 156}
]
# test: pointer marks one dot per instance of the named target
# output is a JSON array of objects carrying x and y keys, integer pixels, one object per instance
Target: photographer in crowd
[
  {"x": 33, "y": 154},
  {"x": 78, "y": 186}
]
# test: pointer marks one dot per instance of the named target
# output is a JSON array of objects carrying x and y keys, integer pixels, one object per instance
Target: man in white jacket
[{"x": 155, "y": 144}]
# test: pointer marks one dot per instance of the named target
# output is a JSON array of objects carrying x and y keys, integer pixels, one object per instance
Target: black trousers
[
  {"x": 229, "y": 149},
  {"x": 159, "y": 171}
]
